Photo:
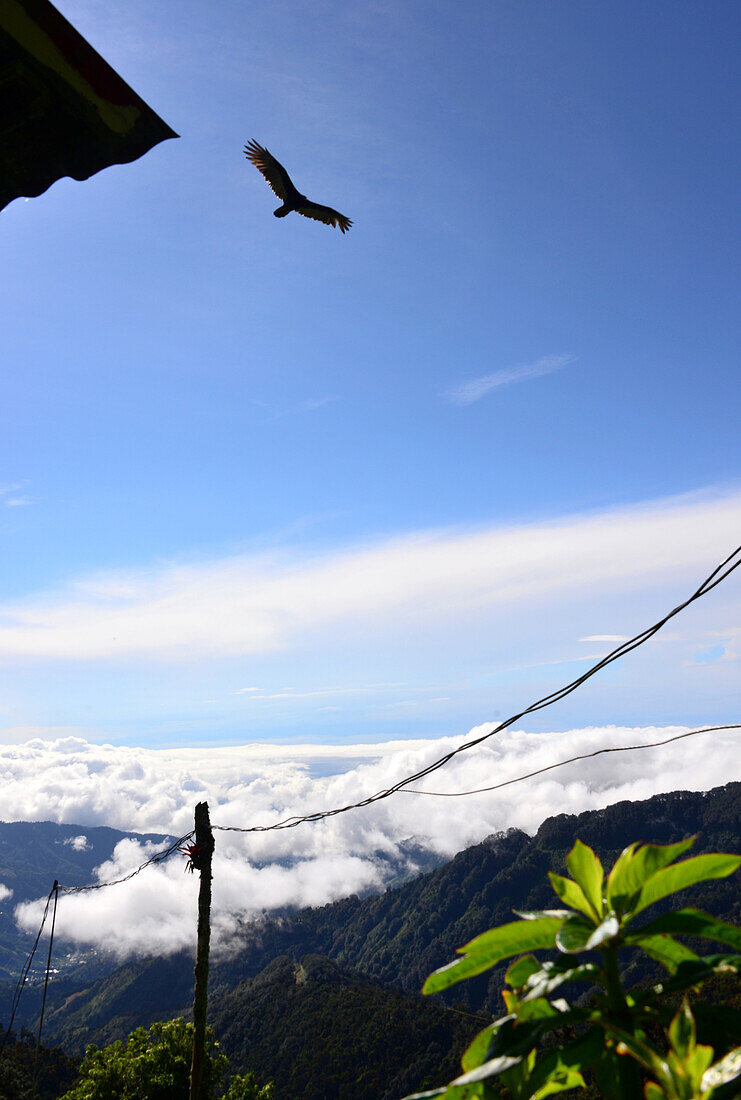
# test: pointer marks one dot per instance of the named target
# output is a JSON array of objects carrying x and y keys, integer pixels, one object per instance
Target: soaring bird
[{"x": 281, "y": 184}]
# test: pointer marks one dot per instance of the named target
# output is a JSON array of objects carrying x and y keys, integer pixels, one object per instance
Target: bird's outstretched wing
[
  {"x": 272, "y": 170},
  {"x": 324, "y": 214}
]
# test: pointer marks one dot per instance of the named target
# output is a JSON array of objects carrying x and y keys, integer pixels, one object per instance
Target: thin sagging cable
[
  {"x": 720, "y": 573},
  {"x": 24, "y": 973},
  {"x": 571, "y": 760},
  {"x": 55, "y": 892},
  {"x": 158, "y": 857}
]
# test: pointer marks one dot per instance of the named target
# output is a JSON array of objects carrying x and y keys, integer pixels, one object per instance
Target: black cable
[
  {"x": 720, "y": 573},
  {"x": 24, "y": 973},
  {"x": 158, "y": 857},
  {"x": 55, "y": 891},
  {"x": 572, "y": 760}
]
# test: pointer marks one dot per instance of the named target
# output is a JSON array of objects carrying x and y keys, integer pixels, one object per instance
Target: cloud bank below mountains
[{"x": 155, "y": 790}]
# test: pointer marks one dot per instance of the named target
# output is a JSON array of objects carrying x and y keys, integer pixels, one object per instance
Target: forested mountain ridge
[
  {"x": 323, "y": 1033},
  {"x": 399, "y": 937},
  {"x": 402, "y": 935},
  {"x": 35, "y": 853}
]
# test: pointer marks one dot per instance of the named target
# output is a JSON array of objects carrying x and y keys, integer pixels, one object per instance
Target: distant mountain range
[
  {"x": 291, "y": 986},
  {"x": 35, "y": 853}
]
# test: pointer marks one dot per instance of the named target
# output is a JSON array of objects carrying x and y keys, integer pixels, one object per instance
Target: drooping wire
[
  {"x": 24, "y": 972},
  {"x": 720, "y": 573},
  {"x": 158, "y": 857},
  {"x": 571, "y": 760},
  {"x": 55, "y": 891}
]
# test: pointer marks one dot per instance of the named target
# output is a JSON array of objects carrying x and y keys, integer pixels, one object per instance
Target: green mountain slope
[
  {"x": 320, "y": 1032},
  {"x": 32, "y": 855},
  {"x": 403, "y": 934},
  {"x": 400, "y": 936}
]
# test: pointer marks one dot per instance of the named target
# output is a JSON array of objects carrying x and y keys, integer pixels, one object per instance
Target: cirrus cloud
[{"x": 260, "y": 604}]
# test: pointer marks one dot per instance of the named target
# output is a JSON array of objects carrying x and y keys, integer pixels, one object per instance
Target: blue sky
[{"x": 260, "y": 480}]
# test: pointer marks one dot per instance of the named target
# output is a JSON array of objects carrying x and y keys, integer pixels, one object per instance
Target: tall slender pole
[{"x": 201, "y": 859}]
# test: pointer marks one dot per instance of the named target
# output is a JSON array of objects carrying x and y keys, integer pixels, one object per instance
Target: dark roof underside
[{"x": 63, "y": 110}]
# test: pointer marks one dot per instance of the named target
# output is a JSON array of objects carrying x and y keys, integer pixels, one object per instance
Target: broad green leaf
[
  {"x": 554, "y": 974},
  {"x": 456, "y": 971},
  {"x": 538, "y": 914},
  {"x": 571, "y": 894},
  {"x": 557, "y": 1066},
  {"x": 697, "y": 1062},
  {"x": 451, "y": 1092},
  {"x": 669, "y": 952},
  {"x": 493, "y": 946},
  {"x": 480, "y": 1048},
  {"x": 514, "y": 1038},
  {"x": 577, "y": 935},
  {"x": 634, "y": 867},
  {"x": 652, "y": 1091},
  {"x": 587, "y": 872},
  {"x": 492, "y": 1068},
  {"x": 521, "y": 970},
  {"x": 538, "y": 1008},
  {"x": 561, "y": 1081},
  {"x": 454, "y": 1092},
  {"x": 515, "y": 1079},
  {"x": 507, "y": 1038},
  {"x": 690, "y": 922},
  {"x": 682, "y": 1030},
  {"x": 671, "y": 879},
  {"x": 727, "y": 1069},
  {"x": 629, "y": 1043},
  {"x": 620, "y": 875},
  {"x": 604, "y": 932},
  {"x": 688, "y": 974},
  {"x": 538, "y": 926},
  {"x": 573, "y": 935}
]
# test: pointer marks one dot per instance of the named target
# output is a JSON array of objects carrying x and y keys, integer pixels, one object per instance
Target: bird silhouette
[{"x": 283, "y": 187}]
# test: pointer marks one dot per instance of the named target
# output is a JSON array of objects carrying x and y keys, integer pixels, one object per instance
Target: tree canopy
[{"x": 154, "y": 1064}]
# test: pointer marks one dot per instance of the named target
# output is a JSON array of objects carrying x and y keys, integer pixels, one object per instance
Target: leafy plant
[
  {"x": 154, "y": 1064},
  {"x": 624, "y": 1039}
]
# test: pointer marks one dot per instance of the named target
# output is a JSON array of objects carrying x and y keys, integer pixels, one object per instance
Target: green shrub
[
  {"x": 629, "y": 1041},
  {"x": 154, "y": 1064}
]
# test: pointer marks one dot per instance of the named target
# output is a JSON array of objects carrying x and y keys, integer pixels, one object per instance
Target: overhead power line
[
  {"x": 572, "y": 760},
  {"x": 27, "y": 967},
  {"x": 719, "y": 574},
  {"x": 158, "y": 857}
]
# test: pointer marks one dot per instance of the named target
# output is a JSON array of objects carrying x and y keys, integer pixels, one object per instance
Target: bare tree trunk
[{"x": 201, "y": 860}]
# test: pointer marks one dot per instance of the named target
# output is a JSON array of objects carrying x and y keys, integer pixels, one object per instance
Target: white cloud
[
  {"x": 476, "y": 388},
  {"x": 8, "y": 497},
  {"x": 71, "y": 780},
  {"x": 5, "y": 892},
  {"x": 78, "y": 843},
  {"x": 260, "y": 604}
]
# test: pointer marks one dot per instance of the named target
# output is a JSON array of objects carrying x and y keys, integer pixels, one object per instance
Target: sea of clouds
[{"x": 154, "y": 790}]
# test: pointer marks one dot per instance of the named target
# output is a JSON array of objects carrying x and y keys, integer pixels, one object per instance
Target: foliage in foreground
[
  {"x": 154, "y": 1064},
  {"x": 627, "y": 1041},
  {"x": 55, "y": 1071}
]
